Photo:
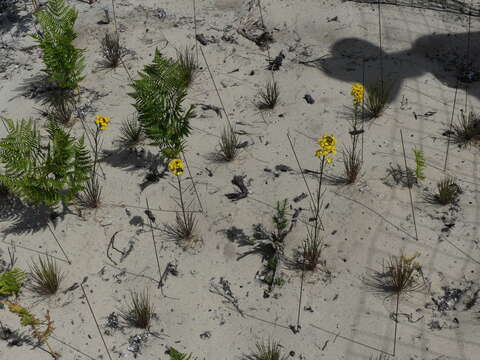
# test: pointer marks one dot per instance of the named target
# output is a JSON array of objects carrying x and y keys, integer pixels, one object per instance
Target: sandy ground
[{"x": 364, "y": 222}]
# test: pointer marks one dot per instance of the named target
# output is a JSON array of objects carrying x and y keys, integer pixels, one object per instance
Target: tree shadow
[{"x": 451, "y": 58}]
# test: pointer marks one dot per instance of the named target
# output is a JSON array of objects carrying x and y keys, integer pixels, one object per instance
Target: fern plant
[
  {"x": 420, "y": 164},
  {"x": 43, "y": 174},
  {"x": 11, "y": 282},
  {"x": 159, "y": 95},
  {"x": 64, "y": 63},
  {"x": 177, "y": 355}
]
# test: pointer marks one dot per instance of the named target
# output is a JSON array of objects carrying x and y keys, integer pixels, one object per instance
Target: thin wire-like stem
[
  {"x": 193, "y": 182},
  {"x": 301, "y": 169},
  {"x": 195, "y": 26},
  {"x": 96, "y": 322},
  {"x": 181, "y": 199},
  {"x": 319, "y": 195},
  {"x": 216, "y": 88},
  {"x": 380, "y": 41},
  {"x": 264, "y": 28},
  {"x": 59, "y": 245},
  {"x": 155, "y": 247},
  {"x": 450, "y": 128},
  {"x": 396, "y": 325},
  {"x": 301, "y": 295},
  {"x": 409, "y": 187},
  {"x": 363, "y": 103}
]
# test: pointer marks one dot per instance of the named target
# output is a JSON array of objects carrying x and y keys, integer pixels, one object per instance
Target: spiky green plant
[
  {"x": 41, "y": 174},
  {"x": 159, "y": 95},
  {"x": 420, "y": 164},
  {"x": 46, "y": 276},
  {"x": 139, "y": 311},
  {"x": 177, "y": 355},
  {"x": 11, "y": 282},
  {"x": 64, "y": 63},
  {"x": 267, "y": 350}
]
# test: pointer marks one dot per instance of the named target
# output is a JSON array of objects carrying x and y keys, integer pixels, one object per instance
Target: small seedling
[
  {"x": 352, "y": 163},
  {"x": 139, "y": 311},
  {"x": 46, "y": 276},
  {"x": 467, "y": 129},
  {"x": 228, "y": 146},
  {"x": 420, "y": 164},
  {"x": 177, "y": 355},
  {"x": 268, "y": 96},
  {"x": 187, "y": 64},
  {"x": 311, "y": 253},
  {"x": 131, "y": 132},
  {"x": 377, "y": 98},
  {"x": 448, "y": 191},
  {"x": 111, "y": 49},
  {"x": 267, "y": 350}
]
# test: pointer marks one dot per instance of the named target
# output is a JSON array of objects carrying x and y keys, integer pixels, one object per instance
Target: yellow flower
[
  {"x": 358, "y": 92},
  {"x": 102, "y": 121},
  {"x": 176, "y": 166},
  {"x": 328, "y": 146}
]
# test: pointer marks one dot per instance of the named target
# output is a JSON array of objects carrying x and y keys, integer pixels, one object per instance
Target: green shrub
[
  {"x": 159, "y": 95},
  {"x": 64, "y": 63},
  {"x": 41, "y": 174}
]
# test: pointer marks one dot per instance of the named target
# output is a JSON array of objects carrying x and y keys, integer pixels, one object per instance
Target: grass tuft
[
  {"x": 111, "y": 49},
  {"x": 91, "y": 197},
  {"x": 311, "y": 253},
  {"x": 448, "y": 191},
  {"x": 139, "y": 310},
  {"x": 352, "y": 164},
  {"x": 377, "y": 98},
  {"x": 46, "y": 276},
  {"x": 187, "y": 64},
  {"x": 183, "y": 230},
  {"x": 268, "y": 96},
  {"x": 267, "y": 350},
  {"x": 131, "y": 132},
  {"x": 466, "y": 130},
  {"x": 228, "y": 145}
]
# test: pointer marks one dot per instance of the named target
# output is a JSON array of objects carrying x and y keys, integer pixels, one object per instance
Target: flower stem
[
  {"x": 181, "y": 200},
  {"x": 319, "y": 194}
]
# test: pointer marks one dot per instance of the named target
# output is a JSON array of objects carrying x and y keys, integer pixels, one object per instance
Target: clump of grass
[
  {"x": 267, "y": 350},
  {"x": 228, "y": 145},
  {"x": 352, "y": 163},
  {"x": 111, "y": 49},
  {"x": 139, "y": 310},
  {"x": 311, "y": 253},
  {"x": 131, "y": 132},
  {"x": 377, "y": 98},
  {"x": 187, "y": 64},
  {"x": 268, "y": 96},
  {"x": 400, "y": 275},
  {"x": 91, "y": 197},
  {"x": 448, "y": 191},
  {"x": 61, "y": 106},
  {"x": 184, "y": 228},
  {"x": 46, "y": 276},
  {"x": 467, "y": 129}
]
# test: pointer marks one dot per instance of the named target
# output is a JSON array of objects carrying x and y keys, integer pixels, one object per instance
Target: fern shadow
[{"x": 22, "y": 218}]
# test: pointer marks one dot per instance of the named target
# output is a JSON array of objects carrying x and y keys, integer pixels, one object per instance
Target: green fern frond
[
  {"x": 176, "y": 355},
  {"x": 64, "y": 63},
  {"x": 159, "y": 95},
  {"x": 47, "y": 175},
  {"x": 420, "y": 164},
  {"x": 11, "y": 282}
]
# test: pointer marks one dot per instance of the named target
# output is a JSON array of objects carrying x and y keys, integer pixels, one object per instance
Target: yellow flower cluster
[
  {"x": 328, "y": 146},
  {"x": 176, "y": 166},
  {"x": 358, "y": 92},
  {"x": 102, "y": 121}
]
